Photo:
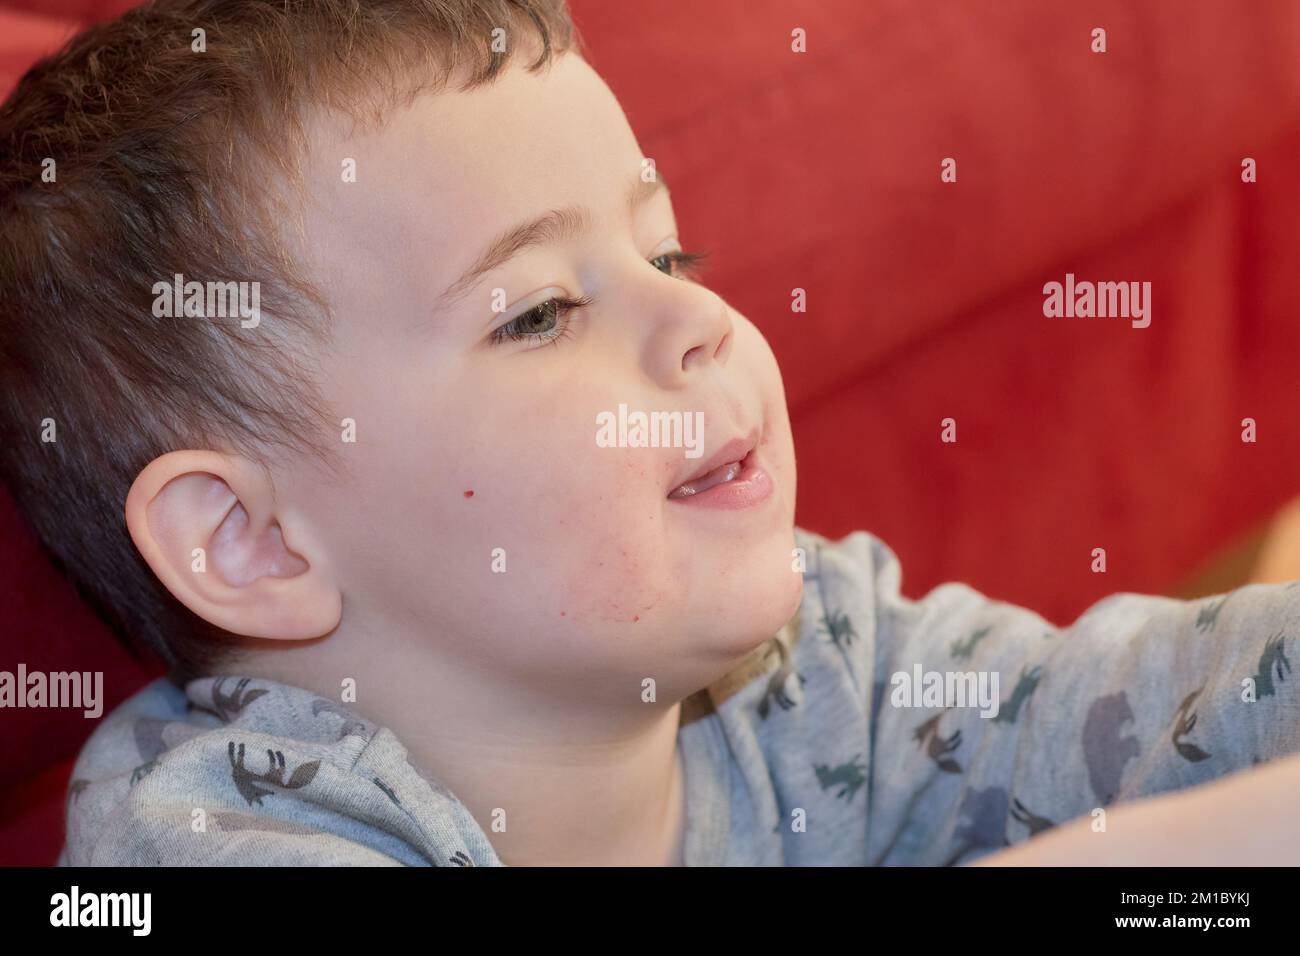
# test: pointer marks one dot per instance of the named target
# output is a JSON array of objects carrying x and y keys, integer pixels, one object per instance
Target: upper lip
[{"x": 737, "y": 449}]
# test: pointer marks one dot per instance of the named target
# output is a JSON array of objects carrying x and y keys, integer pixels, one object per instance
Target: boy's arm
[
  {"x": 1243, "y": 819},
  {"x": 1141, "y": 695}
]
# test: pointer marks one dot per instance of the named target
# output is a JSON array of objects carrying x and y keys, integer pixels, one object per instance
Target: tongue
[{"x": 707, "y": 480}]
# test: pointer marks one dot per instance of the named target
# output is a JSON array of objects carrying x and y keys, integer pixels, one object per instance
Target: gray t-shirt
[{"x": 873, "y": 729}]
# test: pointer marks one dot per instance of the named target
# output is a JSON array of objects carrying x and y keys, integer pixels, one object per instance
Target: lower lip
[{"x": 751, "y": 487}]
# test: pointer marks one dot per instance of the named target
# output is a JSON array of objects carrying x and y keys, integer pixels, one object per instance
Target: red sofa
[{"x": 820, "y": 171}]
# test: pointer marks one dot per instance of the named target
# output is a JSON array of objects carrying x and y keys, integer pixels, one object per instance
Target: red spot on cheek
[
  {"x": 469, "y": 494},
  {"x": 561, "y": 614},
  {"x": 635, "y": 618}
]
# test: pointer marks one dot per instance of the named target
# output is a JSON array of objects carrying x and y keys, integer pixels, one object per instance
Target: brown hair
[{"x": 163, "y": 156}]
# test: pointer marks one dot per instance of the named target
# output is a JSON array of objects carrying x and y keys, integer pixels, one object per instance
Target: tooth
[{"x": 732, "y": 470}]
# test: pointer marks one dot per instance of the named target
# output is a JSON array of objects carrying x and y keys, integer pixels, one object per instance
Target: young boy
[{"x": 422, "y": 601}]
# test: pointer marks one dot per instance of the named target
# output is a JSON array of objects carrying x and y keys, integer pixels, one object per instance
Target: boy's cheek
[
  {"x": 761, "y": 361},
  {"x": 581, "y": 525},
  {"x": 615, "y": 572}
]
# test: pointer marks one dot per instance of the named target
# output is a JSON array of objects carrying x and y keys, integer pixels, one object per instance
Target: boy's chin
[{"x": 768, "y": 602}]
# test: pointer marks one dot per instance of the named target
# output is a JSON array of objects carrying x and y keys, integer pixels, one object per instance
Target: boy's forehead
[{"x": 453, "y": 168}]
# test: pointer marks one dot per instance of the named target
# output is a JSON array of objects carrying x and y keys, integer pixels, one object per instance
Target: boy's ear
[{"x": 207, "y": 524}]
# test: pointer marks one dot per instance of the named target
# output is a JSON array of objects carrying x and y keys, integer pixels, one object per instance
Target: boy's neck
[
  {"x": 609, "y": 802},
  {"x": 587, "y": 783}
]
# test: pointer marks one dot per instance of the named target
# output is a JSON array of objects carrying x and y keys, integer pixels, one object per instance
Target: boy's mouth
[
  {"x": 717, "y": 476},
  {"x": 731, "y": 478}
]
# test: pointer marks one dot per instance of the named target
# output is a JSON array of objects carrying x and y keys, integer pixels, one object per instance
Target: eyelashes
[
  {"x": 683, "y": 263},
  {"x": 541, "y": 324},
  {"x": 555, "y": 309}
]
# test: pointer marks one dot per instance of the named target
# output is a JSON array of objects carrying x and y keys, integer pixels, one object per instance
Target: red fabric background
[{"x": 821, "y": 171}]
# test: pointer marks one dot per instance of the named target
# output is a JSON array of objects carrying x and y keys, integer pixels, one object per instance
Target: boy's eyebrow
[{"x": 557, "y": 225}]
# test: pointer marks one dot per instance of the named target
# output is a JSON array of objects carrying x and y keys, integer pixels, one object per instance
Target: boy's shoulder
[{"x": 231, "y": 771}]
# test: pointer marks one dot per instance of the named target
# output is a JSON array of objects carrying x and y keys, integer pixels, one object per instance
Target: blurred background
[{"x": 924, "y": 299}]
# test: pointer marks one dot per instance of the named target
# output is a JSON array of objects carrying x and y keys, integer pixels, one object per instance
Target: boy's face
[{"x": 605, "y": 576}]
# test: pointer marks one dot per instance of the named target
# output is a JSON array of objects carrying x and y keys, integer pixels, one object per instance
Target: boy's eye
[
  {"x": 540, "y": 323},
  {"x": 678, "y": 263}
]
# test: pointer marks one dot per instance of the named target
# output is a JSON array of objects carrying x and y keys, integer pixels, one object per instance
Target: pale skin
[
  {"x": 522, "y": 691},
  {"x": 1246, "y": 818}
]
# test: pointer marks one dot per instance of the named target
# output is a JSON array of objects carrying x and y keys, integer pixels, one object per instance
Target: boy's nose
[
  {"x": 693, "y": 332},
  {"x": 700, "y": 354}
]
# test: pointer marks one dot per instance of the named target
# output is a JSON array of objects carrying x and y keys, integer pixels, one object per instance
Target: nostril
[{"x": 686, "y": 359}]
